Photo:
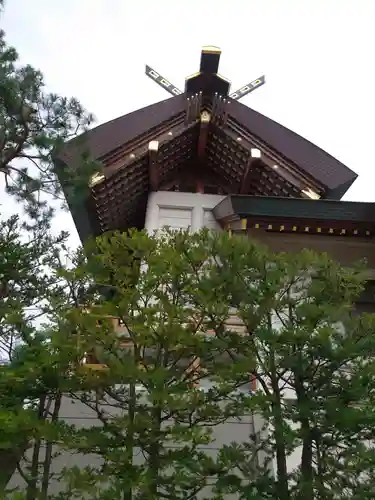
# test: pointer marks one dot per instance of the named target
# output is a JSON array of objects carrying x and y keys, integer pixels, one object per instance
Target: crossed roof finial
[{"x": 206, "y": 80}]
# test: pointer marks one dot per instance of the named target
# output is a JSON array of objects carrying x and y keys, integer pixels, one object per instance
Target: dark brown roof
[
  {"x": 316, "y": 162},
  {"x": 111, "y": 135},
  {"x": 313, "y": 160}
]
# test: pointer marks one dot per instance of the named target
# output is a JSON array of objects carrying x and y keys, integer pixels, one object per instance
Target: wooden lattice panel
[
  {"x": 119, "y": 198},
  {"x": 225, "y": 156},
  {"x": 266, "y": 182},
  {"x": 175, "y": 155}
]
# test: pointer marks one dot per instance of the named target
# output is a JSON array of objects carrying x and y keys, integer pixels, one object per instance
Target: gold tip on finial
[{"x": 211, "y": 49}]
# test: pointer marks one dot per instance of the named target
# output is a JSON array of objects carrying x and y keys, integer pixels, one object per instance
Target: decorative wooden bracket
[
  {"x": 193, "y": 108},
  {"x": 220, "y": 109},
  {"x": 205, "y": 118}
]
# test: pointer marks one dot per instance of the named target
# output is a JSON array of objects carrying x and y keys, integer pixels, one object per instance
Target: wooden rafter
[{"x": 112, "y": 157}]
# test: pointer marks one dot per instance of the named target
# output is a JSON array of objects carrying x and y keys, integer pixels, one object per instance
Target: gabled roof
[
  {"x": 229, "y": 137},
  {"x": 308, "y": 157}
]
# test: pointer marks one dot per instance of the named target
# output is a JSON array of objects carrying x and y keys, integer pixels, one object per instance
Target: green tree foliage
[
  {"x": 35, "y": 295},
  {"x": 25, "y": 289},
  {"x": 315, "y": 372},
  {"x": 34, "y": 125},
  {"x": 172, "y": 374},
  {"x": 165, "y": 382}
]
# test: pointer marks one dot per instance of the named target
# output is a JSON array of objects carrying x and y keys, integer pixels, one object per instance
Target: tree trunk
[
  {"x": 307, "y": 490},
  {"x": 154, "y": 456},
  {"x": 281, "y": 463},
  {"x": 32, "y": 487},
  {"x": 48, "y": 455},
  {"x": 306, "y": 480},
  {"x": 128, "y": 489},
  {"x": 282, "y": 470}
]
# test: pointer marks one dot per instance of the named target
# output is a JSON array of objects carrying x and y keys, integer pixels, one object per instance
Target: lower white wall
[{"x": 181, "y": 210}]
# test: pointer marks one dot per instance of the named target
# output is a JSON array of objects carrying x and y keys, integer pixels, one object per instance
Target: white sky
[{"x": 317, "y": 56}]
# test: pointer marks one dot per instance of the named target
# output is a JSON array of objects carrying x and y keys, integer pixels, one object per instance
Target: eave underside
[{"x": 216, "y": 156}]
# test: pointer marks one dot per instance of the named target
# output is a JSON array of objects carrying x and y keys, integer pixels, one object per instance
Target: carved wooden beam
[
  {"x": 220, "y": 110},
  {"x": 153, "y": 147},
  {"x": 245, "y": 182},
  {"x": 205, "y": 118},
  {"x": 193, "y": 108}
]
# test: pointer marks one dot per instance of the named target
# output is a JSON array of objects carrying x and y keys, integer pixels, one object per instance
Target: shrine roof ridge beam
[
  {"x": 210, "y": 59},
  {"x": 207, "y": 80}
]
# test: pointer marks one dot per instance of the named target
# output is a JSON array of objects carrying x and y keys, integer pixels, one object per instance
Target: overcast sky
[{"x": 317, "y": 56}]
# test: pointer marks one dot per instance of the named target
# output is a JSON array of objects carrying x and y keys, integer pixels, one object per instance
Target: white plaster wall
[{"x": 181, "y": 210}]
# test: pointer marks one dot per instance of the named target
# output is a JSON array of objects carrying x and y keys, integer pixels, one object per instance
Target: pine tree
[
  {"x": 315, "y": 373},
  {"x": 165, "y": 383},
  {"x": 173, "y": 370},
  {"x": 34, "y": 125},
  {"x": 25, "y": 284}
]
